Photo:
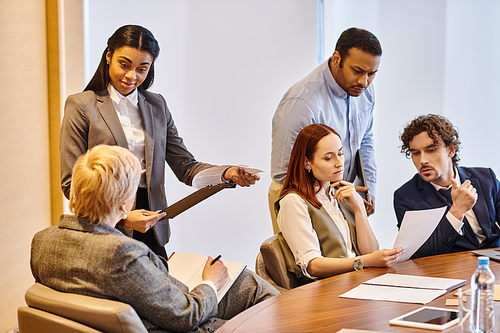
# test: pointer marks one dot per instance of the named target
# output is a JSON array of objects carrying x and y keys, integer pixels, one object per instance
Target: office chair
[
  {"x": 51, "y": 311},
  {"x": 270, "y": 265}
]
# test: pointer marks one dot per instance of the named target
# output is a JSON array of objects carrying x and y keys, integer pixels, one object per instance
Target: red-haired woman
[{"x": 323, "y": 221}]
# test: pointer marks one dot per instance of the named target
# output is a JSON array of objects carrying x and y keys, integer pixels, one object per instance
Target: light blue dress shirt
[{"x": 318, "y": 99}]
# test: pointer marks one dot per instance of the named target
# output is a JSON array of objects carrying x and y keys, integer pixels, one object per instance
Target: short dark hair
[
  {"x": 129, "y": 35},
  {"x": 360, "y": 39},
  {"x": 436, "y": 127}
]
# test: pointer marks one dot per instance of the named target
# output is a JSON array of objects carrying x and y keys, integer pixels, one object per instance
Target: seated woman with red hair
[{"x": 323, "y": 222}]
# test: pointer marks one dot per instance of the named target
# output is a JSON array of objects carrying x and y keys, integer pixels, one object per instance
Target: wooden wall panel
[
  {"x": 24, "y": 148},
  {"x": 54, "y": 106}
]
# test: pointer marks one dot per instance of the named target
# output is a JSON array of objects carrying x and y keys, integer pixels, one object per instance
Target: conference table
[{"x": 317, "y": 307}]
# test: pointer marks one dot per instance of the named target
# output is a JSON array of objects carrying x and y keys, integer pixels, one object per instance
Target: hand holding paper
[
  {"x": 383, "y": 257},
  {"x": 242, "y": 175},
  {"x": 416, "y": 228}
]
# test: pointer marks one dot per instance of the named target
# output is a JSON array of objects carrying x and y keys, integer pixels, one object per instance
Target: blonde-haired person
[
  {"x": 323, "y": 220},
  {"x": 86, "y": 254},
  {"x": 104, "y": 183}
]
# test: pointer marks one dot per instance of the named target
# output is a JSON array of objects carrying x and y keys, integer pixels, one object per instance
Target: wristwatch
[{"x": 358, "y": 264}]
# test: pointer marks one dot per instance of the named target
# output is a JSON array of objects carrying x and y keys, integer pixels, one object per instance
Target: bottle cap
[{"x": 483, "y": 261}]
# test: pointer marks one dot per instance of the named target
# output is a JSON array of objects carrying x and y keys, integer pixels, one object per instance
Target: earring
[
  {"x": 124, "y": 215},
  {"x": 308, "y": 170}
]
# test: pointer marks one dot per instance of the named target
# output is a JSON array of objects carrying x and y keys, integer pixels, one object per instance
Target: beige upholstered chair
[
  {"x": 270, "y": 265},
  {"x": 51, "y": 311}
]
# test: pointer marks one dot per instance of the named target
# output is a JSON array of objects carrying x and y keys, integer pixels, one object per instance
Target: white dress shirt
[{"x": 130, "y": 118}]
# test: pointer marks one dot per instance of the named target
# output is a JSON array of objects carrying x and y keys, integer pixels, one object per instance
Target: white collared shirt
[
  {"x": 128, "y": 112},
  {"x": 469, "y": 215}
]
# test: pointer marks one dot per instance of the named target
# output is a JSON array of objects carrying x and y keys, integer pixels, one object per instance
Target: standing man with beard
[
  {"x": 471, "y": 194},
  {"x": 337, "y": 94}
]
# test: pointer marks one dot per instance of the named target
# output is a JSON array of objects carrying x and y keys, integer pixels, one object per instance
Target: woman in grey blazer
[
  {"x": 86, "y": 254},
  {"x": 116, "y": 109}
]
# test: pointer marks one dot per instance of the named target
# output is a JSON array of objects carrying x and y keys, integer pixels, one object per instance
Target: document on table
[
  {"x": 416, "y": 228},
  {"x": 404, "y": 288},
  {"x": 415, "y": 281},
  {"x": 350, "y": 330}
]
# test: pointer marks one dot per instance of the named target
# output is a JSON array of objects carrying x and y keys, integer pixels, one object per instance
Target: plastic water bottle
[{"x": 482, "y": 292}]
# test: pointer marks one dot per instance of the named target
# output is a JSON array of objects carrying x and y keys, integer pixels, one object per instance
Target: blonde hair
[{"x": 103, "y": 178}]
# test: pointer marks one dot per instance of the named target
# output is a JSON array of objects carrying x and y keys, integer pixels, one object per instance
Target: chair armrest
[{"x": 99, "y": 313}]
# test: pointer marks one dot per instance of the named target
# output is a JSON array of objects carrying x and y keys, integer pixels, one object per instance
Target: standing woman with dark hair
[
  {"x": 117, "y": 109},
  {"x": 323, "y": 221}
]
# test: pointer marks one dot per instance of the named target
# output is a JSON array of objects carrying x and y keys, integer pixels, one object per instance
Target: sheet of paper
[
  {"x": 250, "y": 170},
  {"x": 393, "y": 294},
  {"x": 188, "y": 268},
  {"x": 416, "y": 228},
  {"x": 414, "y": 281},
  {"x": 185, "y": 266},
  {"x": 349, "y": 330}
]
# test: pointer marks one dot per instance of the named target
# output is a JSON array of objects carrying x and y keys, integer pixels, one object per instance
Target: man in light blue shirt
[{"x": 337, "y": 94}]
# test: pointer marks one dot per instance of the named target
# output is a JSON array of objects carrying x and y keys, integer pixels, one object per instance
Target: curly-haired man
[{"x": 471, "y": 194}]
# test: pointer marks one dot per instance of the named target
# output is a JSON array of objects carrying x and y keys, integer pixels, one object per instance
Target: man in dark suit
[{"x": 471, "y": 194}]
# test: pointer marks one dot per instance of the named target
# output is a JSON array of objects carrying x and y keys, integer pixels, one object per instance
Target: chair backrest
[
  {"x": 53, "y": 311},
  {"x": 274, "y": 266}
]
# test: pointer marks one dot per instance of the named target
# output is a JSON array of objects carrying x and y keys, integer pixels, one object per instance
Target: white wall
[
  {"x": 224, "y": 66},
  {"x": 439, "y": 56}
]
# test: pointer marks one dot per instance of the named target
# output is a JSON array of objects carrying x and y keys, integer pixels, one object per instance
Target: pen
[{"x": 215, "y": 260}]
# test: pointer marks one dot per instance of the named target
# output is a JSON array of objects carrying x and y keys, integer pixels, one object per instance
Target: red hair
[{"x": 297, "y": 179}]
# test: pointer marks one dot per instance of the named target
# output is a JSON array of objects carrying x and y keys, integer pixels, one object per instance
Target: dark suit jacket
[
  {"x": 90, "y": 119},
  {"x": 99, "y": 261},
  {"x": 417, "y": 194}
]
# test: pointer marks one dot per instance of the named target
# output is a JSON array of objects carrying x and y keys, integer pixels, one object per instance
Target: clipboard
[
  {"x": 359, "y": 176},
  {"x": 194, "y": 198}
]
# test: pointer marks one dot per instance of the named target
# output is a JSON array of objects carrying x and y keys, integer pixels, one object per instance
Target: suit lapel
[
  {"x": 108, "y": 113},
  {"x": 430, "y": 195},
  {"x": 146, "y": 112}
]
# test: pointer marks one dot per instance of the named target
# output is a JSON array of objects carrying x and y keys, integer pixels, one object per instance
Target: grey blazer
[
  {"x": 90, "y": 119},
  {"x": 99, "y": 261}
]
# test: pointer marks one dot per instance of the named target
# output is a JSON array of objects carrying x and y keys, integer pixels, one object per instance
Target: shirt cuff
[
  {"x": 303, "y": 262},
  {"x": 211, "y": 284},
  {"x": 210, "y": 176},
  {"x": 455, "y": 223}
]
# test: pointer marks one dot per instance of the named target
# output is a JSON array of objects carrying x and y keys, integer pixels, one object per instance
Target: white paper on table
[
  {"x": 350, "y": 330},
  {"x": 414, "y": 281},
  {"x": 394, "y": 294},
  {"x": 416, "y": 228}
]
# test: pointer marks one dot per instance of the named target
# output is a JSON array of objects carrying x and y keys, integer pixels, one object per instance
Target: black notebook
[{"x": 359, "y": 178}]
